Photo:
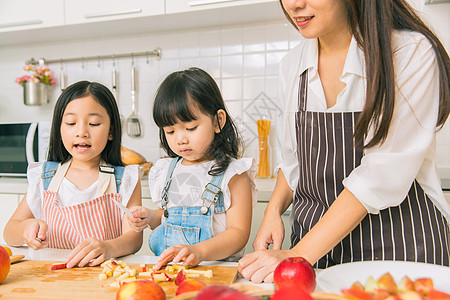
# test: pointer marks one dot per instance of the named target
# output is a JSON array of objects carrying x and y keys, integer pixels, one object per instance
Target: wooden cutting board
[{"x": 34, "y": 280}]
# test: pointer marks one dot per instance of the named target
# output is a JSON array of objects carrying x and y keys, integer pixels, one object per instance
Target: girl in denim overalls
[
  {"x": 204, "y": 191},
  {"x": 70, "y": 201}
]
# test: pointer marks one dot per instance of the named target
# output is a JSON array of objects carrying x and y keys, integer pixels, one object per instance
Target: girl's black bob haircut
[
  {"x": 111, "y": 154},
  {"x": 174, "y": 102}
]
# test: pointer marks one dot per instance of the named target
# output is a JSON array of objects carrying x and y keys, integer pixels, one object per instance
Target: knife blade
[{"x": 126, "y": 210}]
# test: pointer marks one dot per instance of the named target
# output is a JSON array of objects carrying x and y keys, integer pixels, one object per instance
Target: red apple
[
  {"x": 295, "y": 272},
  {"x": 140, "y": 290},
  {"x": 222, "y": 292},
  {"x": 189, "y": 285},
  {"x": 5, "y": 264},
  {"x": 290, "y": 293}
]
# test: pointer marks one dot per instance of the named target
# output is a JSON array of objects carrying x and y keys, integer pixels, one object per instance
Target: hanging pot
[{"x": 35, "y": 93}]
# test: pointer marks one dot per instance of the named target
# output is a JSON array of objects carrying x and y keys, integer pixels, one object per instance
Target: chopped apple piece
[
  {"x": 123, "y": 276},
  {"x": 356, "y": 294},
  {"x": 387, "y": 282},
  {"x": 371, "y": 284},
  {"x": 406, "y": 284},
  {"x": 410, "y": 295},
  {"x": 423, "y": 285},
  {"x": 57, "y": 266}
]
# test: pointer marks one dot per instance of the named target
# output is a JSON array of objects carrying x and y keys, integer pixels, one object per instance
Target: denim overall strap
[
  {"x": 118, "y": 174},
  {"x": 164, "y": 198},
  {"x": 48, "y": 171},
  {"x": 213, "y": 193}
]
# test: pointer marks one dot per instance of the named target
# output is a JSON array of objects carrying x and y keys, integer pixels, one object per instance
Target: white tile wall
[{"x": 243, "y": 59}]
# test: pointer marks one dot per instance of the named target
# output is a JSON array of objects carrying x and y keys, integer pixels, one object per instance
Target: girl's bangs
[{"x": 173, "y": 110}]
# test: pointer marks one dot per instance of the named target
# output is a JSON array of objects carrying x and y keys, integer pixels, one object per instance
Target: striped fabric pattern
[
  {"x": 413, "y": 231},
  {"x": 98, "y": 218}
]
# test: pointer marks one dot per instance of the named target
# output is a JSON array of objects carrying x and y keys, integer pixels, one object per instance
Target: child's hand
[
  {"x": 141, "y": 217},
  {"x": 35, "y": 234},
  {"x": 187, "y": 253},
  {"x": 90, "y": 251}
]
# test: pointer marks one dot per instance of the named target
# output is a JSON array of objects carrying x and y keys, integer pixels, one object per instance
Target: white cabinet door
[
  {"x": 26, "y": 14},
  {"x": 8, "y": 204},
  {"x": 178, "y": 6},
  {"x": 85, "y": 11}
]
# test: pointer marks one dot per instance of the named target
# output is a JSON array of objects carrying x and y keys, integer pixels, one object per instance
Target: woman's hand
[
  {"x": 140, "y": 219},
  {"x": 90, "y": 251},
  {"x": 270, "y": 232},
  {"x": 259, "y": 265},
  {"x": 187, "y": 253},
  {"x": 35, "y": 234}
]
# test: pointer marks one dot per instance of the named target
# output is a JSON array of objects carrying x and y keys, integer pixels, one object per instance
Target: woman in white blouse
[{"x": 363, "y": 96}]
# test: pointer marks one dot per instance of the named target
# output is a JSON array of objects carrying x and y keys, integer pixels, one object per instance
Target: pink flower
[{"x": 37, "y": 74}]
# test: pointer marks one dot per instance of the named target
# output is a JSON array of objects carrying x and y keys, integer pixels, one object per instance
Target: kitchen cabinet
[
  {"x": 85, "y": 11},
  {"x": 178, "y": 6},
  {"x": 71, "y": 19},
  {"x": 25, "y": 14},
  {"x": 8, "y": 204}
]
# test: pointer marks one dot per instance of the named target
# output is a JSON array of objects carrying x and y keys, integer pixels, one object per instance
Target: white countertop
[{"x": 18, "y": 185}]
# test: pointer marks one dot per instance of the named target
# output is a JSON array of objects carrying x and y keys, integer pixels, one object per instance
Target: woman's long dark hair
[
  {"x": 111, "y": 154},
  {"x": 372, "y": 23},
  {"x": 174, "y": 102}
]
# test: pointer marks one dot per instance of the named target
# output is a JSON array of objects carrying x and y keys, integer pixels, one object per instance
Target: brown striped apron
[{"x": 413, "y": 231}]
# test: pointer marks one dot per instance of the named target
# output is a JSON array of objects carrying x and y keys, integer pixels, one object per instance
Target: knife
[{"x": 126, "y": 210}]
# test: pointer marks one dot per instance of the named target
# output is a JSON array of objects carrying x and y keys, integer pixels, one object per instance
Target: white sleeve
[
  {"x": 387, "y": 171},
  {"x": 157, "y": 179},
  {"x": 129, "y": 180},
  {"x": 237, "y": 167},
  {"x": 35, "y": 189},
  {"x": 287, "y": 86}
]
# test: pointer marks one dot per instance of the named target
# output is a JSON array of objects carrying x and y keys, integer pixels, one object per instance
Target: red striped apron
[{"x": 98, "y": 218}]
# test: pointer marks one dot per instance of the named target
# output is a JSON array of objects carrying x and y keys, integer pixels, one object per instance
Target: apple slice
[
  {"x": 438, "y": 295},
  {"x": 423, "y": 285},
  {"x": 356, "y": 294},
  {"x": 406, "y": 284},
  {"x": 181, "y": 276},
  {"x": 387, "y": 282},
  {"x": 57, "y": 266}
]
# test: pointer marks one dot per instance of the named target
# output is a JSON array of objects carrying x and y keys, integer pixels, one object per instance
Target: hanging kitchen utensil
[
  {"x": 133, "y": 121},
  {"x": 62, "y": 79},
  {"x": 114, "y": 85}
]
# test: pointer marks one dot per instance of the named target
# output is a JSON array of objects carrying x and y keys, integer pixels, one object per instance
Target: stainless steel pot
[{"x": 35, "y": 93}]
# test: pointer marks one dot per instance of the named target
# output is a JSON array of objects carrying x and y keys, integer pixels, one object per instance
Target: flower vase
[
  {"x": 35, "y": 93},
  {"x": 263, "y": 161}
]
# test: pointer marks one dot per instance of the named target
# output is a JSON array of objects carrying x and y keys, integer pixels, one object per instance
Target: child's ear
[
  {"x": 110, "y": 136},
  {"x": 222, "y": 119}
]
